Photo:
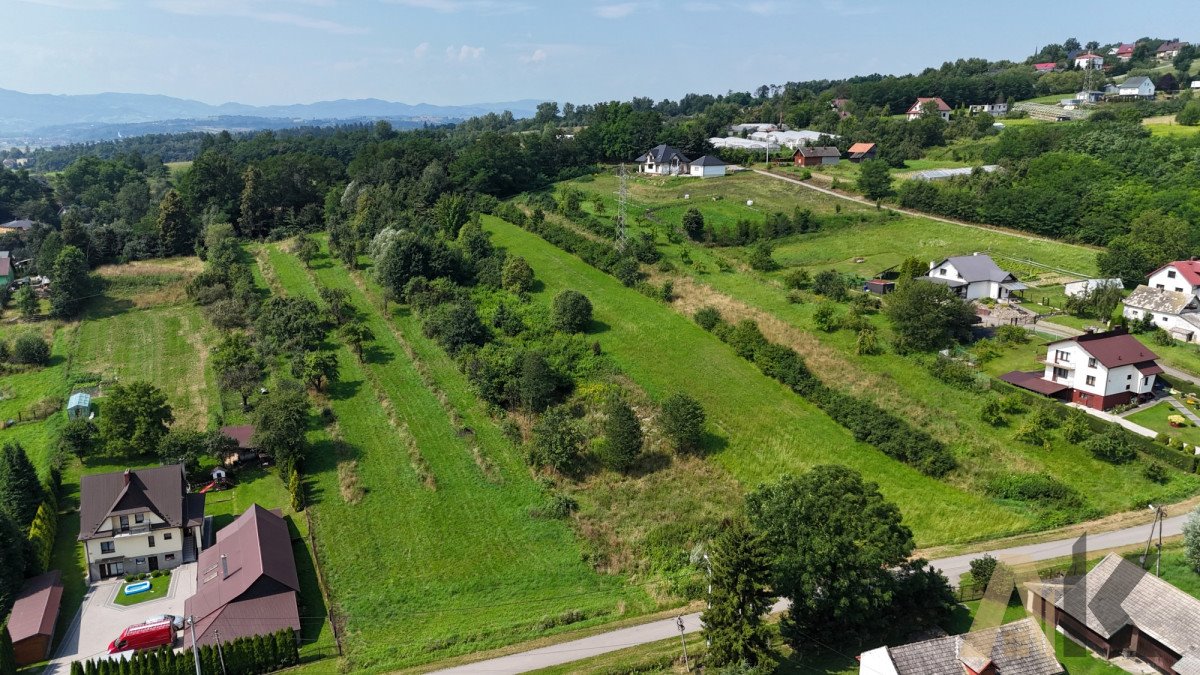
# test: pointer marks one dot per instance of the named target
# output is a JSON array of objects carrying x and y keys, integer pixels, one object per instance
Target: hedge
[
  {"x": 243, "y": 656},
  {"x": 603, "y": 256}
]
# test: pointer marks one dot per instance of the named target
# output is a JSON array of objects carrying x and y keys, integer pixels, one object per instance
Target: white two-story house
[
  {"x": 138, "y": 521},
  {"x": 1181, "y": 276},
  {"x": 974, "y": 277},
  {"x": 1176, "y": 312},
  {"x": 1098, "y": 370},
  {"x": 663, "y": 160}
]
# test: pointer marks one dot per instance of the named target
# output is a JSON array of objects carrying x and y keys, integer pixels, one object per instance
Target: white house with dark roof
[
  {"x": 663, "y": 160},
  {"x": 974, "y": 277},
  {"x": 1017, "y": 648},
  {"x": 918, "y": 108},
  {"x": 707, "y": 167},
  {"x": 1139, "y": 86},
  {"x": 1097, "y": 370}
]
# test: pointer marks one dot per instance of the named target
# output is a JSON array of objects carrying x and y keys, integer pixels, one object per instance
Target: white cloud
[
  {"x": 258, "y": 11},
  {"x": 421, "y": 50},
  {"x": 464, "y": 53},
  {"x": 616, "y": 11},
  {"x": 538, "y": 56}
]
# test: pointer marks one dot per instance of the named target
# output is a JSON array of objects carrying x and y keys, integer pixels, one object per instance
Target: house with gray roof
[
  {"x": 1119, "y": 607},
  {"x": 663, "y": 160},
  {"x": 1139, "y": 87},
  {"x": 20, "y": 225},
  {"x": 1017, "y": 648},
  {"x": 1176, "y": 312},
  {"x": 138, "y": 520},
  {"x": 974, "y": 277},
  {"x": 707, "y": 167}
]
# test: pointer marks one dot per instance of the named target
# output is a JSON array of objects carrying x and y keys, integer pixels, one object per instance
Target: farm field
[
  {"x": 422, "y": 569},
  {"x": 768, "y": 429},
  {"x": 1165, "y": 125}
]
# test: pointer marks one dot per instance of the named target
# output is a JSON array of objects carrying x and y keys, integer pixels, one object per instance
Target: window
[
  {"x": 1091, "y": 380},
  {"x": 1159, "y": 286},
  {"x": 1170, "y": 274},
  {"x": 1126, "y": 387},
  {"x": 150, "y": 541},
  {"x": 1061, "y": 357},
  {"x": 1129, "y": 377},
  {"x": 1060, "y": 373},
  {"x": 1092, "y": 362},
  {"x": 108, "y": 547},
  {"x": 1146, "y": 380},
  {"x": 1164, "y": 319},
  {"x": 1178, "y": 289},
  {"x": 124, "y": 522},
  {"x": 139, "y": 518},
  {"x": 942, "y": 271},
  {"x": 167, "y": 536},
  {"x": 169, "y": 557},
  {"x": 139, "y": 561}
]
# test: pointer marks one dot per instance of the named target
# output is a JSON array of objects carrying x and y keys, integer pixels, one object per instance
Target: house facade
[
  {"x": 138, "y": 521},
  {"x": 1139, "y": 86},
  {"x": 1097, "y": 370},
  {"x": 917, "y": 109},
  {"x": 7, "y": 273},
  {"x": 1089, "y": 61},
  {"x": 816, "y": 156},
  {"x": 1181, "y": 276},
  {"x": 663, "y": 160},
  {"x": 1175, "y": 312},
  {"x": 1169, "y": 50},
  {"x": 1124, "y": 51},
  {"x": 974, "y": 277},
  {"x": 998, "y": 109}
]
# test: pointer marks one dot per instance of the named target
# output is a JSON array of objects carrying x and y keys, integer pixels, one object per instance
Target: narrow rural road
[{"x": 952, "y": 567}]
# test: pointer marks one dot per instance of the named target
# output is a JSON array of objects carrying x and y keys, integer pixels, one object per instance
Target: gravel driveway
[{"x": 100, "y": 620}]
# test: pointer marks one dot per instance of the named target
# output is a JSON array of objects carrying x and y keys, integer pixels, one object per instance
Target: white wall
[
  {"x": 1164, "y": 279},
  {"x": 1166, "y": 322},
  {"x": 1080, "y": 367}
]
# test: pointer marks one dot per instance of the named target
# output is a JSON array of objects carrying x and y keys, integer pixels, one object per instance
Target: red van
[{"x": 143, "y": 636}]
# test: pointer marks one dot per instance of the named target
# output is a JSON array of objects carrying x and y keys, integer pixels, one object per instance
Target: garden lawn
[
  {"x": 20, "y": 391},
  {"x": 158, "y": 588},
  {"x": 1181, "y": 355},
  {"x": 768, "y": 430},
  {"x": 420, "y": 573},
  {"x": 1155, "y": 418}
]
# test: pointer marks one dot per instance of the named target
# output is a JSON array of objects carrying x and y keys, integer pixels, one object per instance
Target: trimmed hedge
[{"x": 243, "y": 656}]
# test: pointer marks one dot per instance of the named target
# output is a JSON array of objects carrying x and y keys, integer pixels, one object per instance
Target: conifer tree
[
  {"x": 8, "y": 659},
  {"x": 622, "y": 434},
  {"x": 734, "y": 623},
  {"x": 20, "y": 490}
]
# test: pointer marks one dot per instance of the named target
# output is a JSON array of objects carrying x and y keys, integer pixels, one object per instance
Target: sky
[{"x": 453, "y": 52}]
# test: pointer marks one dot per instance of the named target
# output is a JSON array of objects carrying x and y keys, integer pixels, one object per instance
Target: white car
[{"x": 176, "y": 621}]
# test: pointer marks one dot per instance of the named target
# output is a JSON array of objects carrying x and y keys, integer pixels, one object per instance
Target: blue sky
[{"x": 467, "y": 51}]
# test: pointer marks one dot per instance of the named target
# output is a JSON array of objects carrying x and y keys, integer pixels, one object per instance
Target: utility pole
[
  {"x": 683, "y": 642},
  {"x": 622, "y": 200},
  {"x": 1160, "y": 514},
  {"x": 191, "y": 620},
  {"x": 708, "y": 564},
  {"x": 220, "y": 652}
]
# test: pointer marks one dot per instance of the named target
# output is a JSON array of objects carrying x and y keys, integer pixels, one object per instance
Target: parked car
[{"x": 143, "y": 636}]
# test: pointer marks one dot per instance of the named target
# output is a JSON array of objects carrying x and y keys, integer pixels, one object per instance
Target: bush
[
  {"x": 30, "y": 349},
  {"x": 707, "y": 317},
  {"x": 1076, "y": 429},
  {"x": 992, "y": 413},
  {"x": 831, "y": 284},
  {"x": 571, "y": 311},
  {"x": 557, "y": 440},
  {"x": 798, "y": 279},
  {"x": 1012, "y": 335},
  {"x": 1034, "y": 487},
  {"x": 760, "y": 257},
  {"x": 824, "y": 318},
  {"x": 1030, "y": 433},
  {"x": 952, "y": 372},
  {"x": 1013, "y": 404},
  {"x": 982, "y": 569},
  {"x": 683, "y": 421},
  {"x": 1156, "y": 473},
  {"x": 1112, "y": 446}
]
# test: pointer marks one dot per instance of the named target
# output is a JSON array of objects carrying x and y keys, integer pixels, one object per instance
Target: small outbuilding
[
  {"x": 860, "y": 152},
  {"x": 34, "y": 615},
  {"x": 244, "y": 435},
  {"x": 707, "y": 167},
  {"x": 816, "y": 156},
  {"x": 79, "y": 406}
]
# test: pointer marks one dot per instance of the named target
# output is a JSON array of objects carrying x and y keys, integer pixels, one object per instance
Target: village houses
[
  {"x": 917, "y": 109},
  {"x": 974, "y": 277},
  {"x": 1017, "y": 648},
  {"x": 664, "y": 160}
]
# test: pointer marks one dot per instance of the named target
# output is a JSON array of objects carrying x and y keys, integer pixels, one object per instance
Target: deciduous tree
[
  {"x": 875, "y": 179},
  {"x": 238, "y": 367},
  {"x": 557, "y": 440},
  {"x": 571, "y": 311},
  {"x": 356, "y": 333},
  {"x": 927, "y": 316},
  {"x": 280, "y": 424},
  {"x": 136, "y": 417}
]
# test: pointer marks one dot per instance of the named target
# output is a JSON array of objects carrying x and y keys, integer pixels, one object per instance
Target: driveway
[{"x": 100, "y": 620}]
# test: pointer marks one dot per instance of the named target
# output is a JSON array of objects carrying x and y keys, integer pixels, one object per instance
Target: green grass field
[
  {"x": 1155, "y": 418},
  {"x": 158, "y": 589},
  {"x": 767, "y": 430},
  {"x": 420, "y": 573},
  {"x": 1165, "y": 125}
]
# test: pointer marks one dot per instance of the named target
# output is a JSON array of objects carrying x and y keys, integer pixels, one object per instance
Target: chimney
[
  {"x": 224, "y": 566},
  {"x": 127, "y": 476}
]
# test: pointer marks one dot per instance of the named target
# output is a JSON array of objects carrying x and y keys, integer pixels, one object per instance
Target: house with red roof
[
  {"x": 917, "y": 109},
  {"x": 1047, "y": 67},
  {"x": 1124, "y": 51},
  {"x": 860, "y": 152},
  {"x": 1098, "y": 370},
  {"x": 1181, "y": 276}
]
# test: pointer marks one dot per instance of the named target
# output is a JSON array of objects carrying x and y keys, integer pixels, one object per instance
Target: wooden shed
[
  {"x": 816, "y": 155},
  {"x": 34, "y": 614}
]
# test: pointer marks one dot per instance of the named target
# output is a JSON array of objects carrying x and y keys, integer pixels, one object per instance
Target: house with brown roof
[
  {"x": 31, "y": 624},
  {"x": 1097, "y": 370},
  {"x": 1119, "y": 607},
  {"x": 1169, "y": 50},
  {"x": 246, "y": 582},
  {"x": 918, "y": 109},
  {"x": 860, "y": 152},
  {"x": 244, "y": 435},
  {"x": 1017, "y": 648},
  {"x": 813, "y": 155},
  {"x": 138, "y": 520}
]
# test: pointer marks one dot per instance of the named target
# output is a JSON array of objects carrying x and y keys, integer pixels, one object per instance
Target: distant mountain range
[{"x": 46, "y": 119}]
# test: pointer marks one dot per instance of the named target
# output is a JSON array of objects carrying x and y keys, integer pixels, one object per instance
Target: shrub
[
  {"x": 831, "y": 284},
  {"x": 746, "y": 339},
  {"x": 1013, "y": 404},
  {"x": 1034, "y": 487},
  {"x": 1112, "y": 446},
  {"x": 824, "y": 318},
  {"x": 982, "y": 569},
  {"x": 571, "y": 311},
  {"x": 798, "y": 278},
  {"x": 30, "y": 349},
  {"x": 707, "y": 317},
  {"x": 867, "y": 342},
  {"x": 1030, "y": 432},
  {"x": 683, "y": 421},
  {"x": 667, "y": 293},
  {"x": 952, "y": 372},
  {"x": 560, "y": 506},
  {"x": 517, "y": 275},
  {"x": 795, "y": 297},
  {"x": 1012, "y": 335},
  {"x": 992, "y": 413},
  {"x": 760, "y": 257},
  {"x": 1156, "y": 473},
  {"x": 626, "y": 271},
  {"x": 556, "y": 440},
  {"x": 1076, "y": 429}
]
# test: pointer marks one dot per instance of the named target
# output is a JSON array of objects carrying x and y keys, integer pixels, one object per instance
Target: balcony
[
  {"x": 1065, "y": 365},
  {"x": 132, "y": 530}
]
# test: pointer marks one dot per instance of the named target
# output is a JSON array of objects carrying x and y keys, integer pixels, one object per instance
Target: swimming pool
[{"x": 137, "y": 587}]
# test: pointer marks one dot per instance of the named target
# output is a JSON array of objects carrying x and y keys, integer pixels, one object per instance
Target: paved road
[{"x": 662, "y": 629}]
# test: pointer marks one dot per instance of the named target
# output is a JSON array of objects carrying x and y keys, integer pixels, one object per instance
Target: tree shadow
[
  {"x": 377, "y": 355},
  {"x": 537, "y": 286},
  {"x": 340, "y": 390},
  {"x": 648, "y": 463},
  {"x": 313, "y": 611},
  {"x": 596, "y": 327},
  {"x": 710, "y": 444},
  {"x": 103, "y": 307}
]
